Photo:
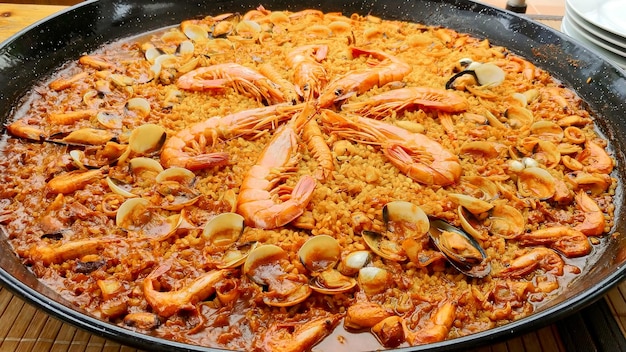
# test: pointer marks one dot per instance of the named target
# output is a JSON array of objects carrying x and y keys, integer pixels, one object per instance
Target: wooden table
[{"x": 25, "y": 328}]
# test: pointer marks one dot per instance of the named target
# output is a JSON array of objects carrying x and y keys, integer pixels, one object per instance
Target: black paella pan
[{"x": 35, "y": 53}]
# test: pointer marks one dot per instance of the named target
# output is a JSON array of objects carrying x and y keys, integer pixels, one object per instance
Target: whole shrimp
[
  {"x": 55, "y": 254},
  {"x": 296, "y": 336},
  {"x": 414, "y": 154},
  {"x": 310, "y": 78},
  {"x": 571, "y": 242},
  {"x": 389, "y": 69},
  {"x": 309, "y": 75},
  {"x": 381, "y": 105},
  {"x": 177, "y": 149},
  {"x": 169, "y": 303},
  {"x": 245, "y": 80},
  {"x": 540, "y": 257},
  {"x": 259, "y": 201}
]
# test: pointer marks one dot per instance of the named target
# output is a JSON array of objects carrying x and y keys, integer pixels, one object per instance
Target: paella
[{"x": 285, "y": 181}]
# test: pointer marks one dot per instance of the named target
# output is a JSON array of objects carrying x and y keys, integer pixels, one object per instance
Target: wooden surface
[
  {"x": 14, "y": 17},
  {"x": 25, "y": 328}
]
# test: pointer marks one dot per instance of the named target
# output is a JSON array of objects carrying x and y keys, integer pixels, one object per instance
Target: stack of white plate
[{"x": 600, "y": 24}]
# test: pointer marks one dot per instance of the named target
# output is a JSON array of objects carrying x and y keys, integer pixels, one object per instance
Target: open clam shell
[
  {"x": 223, "y": 230},
  {"x": 263, "y": 266},
  {"x": 536, "y": 182},
  {"x": 262, "y": 256},
  {"x": 383, "y": 246},
  {"x": 236, "y": 255},
  {"x": 402, "y": 216},
  {"x": 136, "y": 215},
  {"x": 459, "y": 248},
  {"x": 331, "y": 282},
  {"x": 320, "y": 253}
]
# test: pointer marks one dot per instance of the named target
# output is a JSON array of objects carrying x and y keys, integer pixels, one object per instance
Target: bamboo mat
[{"x": 24, "y": 328}]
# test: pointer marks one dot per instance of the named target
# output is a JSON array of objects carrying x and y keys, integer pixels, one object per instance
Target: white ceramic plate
[
  {"x": 592, "y": 38},
  {"x": 609, "y": 15},
  {"x": 568, "y": 29},
  {"x": 594, "y": 30}
]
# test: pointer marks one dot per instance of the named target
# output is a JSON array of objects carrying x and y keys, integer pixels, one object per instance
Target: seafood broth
[{"x": 267, "y": 181}]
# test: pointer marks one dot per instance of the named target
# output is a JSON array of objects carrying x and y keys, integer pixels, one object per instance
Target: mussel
[{"x": 459, "y": 248}]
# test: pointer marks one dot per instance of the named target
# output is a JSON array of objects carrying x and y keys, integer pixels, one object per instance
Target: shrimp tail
[
  {"x": 420, "y": 172},
  {"x": 283, "y": 213}
]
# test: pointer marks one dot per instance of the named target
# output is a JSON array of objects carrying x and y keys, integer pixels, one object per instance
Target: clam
[
  {"x": 120, "y": 188},
  {"x": 264, "y": 266},
  {"x": 121, "y": 81},
  {"x": 320, "y": 255},
  {"x": 82, "y": 161},
  {"x": 140, "y": 165},
  {"x": 403, "y": 220},
  {"x": 331, "y": 282},
  {"x": 384, "y": 247},
  {"x": 262, "y": 257},
  {"x": 140, "y": 106},
  {"x": 480, "y": 187},
  {"x": 535, "y": 182},
  {"x": 518, "y": 117},
  {"x": 178, "y": 174},
  {"x": 174, "y": 36},
  {"x": 506, "y": 221},
  {"x": 547, "y": 131},
  {"x": 547, "y": 154},
  {"x": 165, "y": 60},
  {"x": 353, "y": 262},
  {"x": 493, "y": 120},
  {"x": 373, "y": 280},
  {"x": 174, "y": 184},
  {"x": 151, "y": 52},
  {"x": 471, "y": 224},
  {"x": 194, "y": 31},
  {"x": 459, "y": 248},
  {"x": 109, "y": 120},
  {"x": 248, "y": 29},
  {"x": 185, "y": 48},
  {"x": 236, "y": 255},
  {"x": 473, "y": 205},
  {"x": 92, "y": 98},
  {"x": 223, "y": 230},
  {"x": 136, "y": 215},
  {"x": 144, "y": 140},
  {"x": 405, "y": 217}
]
